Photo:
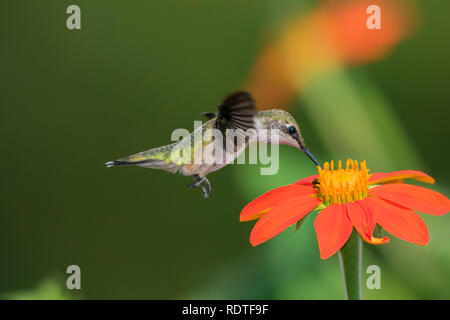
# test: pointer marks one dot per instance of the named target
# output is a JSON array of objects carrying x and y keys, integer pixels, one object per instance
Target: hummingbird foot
[
  {"x": 206, "y": 193},
  {"x": 202, "y": 182},
  {"x": 206, "y": 187},
  {"x": 197, "y": 182}
]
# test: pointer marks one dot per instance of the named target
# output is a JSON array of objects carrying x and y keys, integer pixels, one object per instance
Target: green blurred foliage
[
  {"x": 72, "y": 100},
  {"x": 50, "y": 288}
]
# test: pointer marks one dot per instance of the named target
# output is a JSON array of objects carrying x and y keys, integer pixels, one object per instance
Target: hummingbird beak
[{"x": 308, "y": 153}]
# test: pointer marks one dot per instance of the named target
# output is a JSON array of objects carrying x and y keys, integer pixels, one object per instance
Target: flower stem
[{"x": 350, "y": 256}]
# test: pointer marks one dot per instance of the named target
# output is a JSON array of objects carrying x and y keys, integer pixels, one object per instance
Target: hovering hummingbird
[{"x": 236, "y": 112}]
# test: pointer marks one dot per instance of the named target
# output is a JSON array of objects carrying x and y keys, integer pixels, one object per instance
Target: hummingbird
[{"x": 236, "y": 112}]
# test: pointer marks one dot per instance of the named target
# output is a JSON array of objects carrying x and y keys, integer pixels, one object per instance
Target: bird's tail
[
  {"x": 158, "y": 158},
  {"x": 125, "y": 162}
]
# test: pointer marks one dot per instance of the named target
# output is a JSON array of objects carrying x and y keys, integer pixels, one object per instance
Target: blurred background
[{"x": 73, "y": 99}]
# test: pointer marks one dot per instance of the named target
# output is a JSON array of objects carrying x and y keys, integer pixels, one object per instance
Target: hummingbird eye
[{"x": 292, "y": 130}]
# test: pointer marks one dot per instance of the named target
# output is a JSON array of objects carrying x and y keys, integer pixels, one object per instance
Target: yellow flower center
[{"x": 343, "y": 185}]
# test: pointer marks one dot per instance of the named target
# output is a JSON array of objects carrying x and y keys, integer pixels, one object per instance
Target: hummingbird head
[{"x": 288, "y": 128}]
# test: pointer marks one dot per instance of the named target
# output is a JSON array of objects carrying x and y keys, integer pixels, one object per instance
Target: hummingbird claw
[
  {"x": 197, "y": 182},
  {"x": 206, "y": 193},
  {"x": 203, "y": 183},
  {"x": 207, "y": 190},
  {"x": 191, "y": 185}
]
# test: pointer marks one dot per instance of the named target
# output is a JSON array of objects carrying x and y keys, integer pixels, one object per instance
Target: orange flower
[
  {"x": 348, "y": 198},
  {"x": 331, "y": 36}
]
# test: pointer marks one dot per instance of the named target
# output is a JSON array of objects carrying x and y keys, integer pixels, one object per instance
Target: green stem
[{"x": 351, "y": 260}]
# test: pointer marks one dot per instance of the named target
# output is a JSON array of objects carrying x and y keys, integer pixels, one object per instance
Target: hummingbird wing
[{"x": 236, "y": 112}]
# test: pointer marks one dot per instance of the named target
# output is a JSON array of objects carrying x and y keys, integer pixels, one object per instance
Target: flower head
[
  {"x": 348, "y": 198},
  {"x": 332, "y": 35}
]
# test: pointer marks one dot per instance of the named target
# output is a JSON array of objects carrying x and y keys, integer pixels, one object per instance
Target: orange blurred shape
[{"x": 334, "y": 35}]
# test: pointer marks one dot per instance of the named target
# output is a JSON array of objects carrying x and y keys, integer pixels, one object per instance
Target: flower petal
[
  {"x": 364, "y": 222},
  {"x": 333, "y": 228},
  {"x": 306, "y": 181},
  {"x": 268, "y": 200},
  {"x": 413, "y": 197},
  {"x": 400, "y": 222},
  {"x": 282, "y": 216},
  {"x": 383, "y": 177}
]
